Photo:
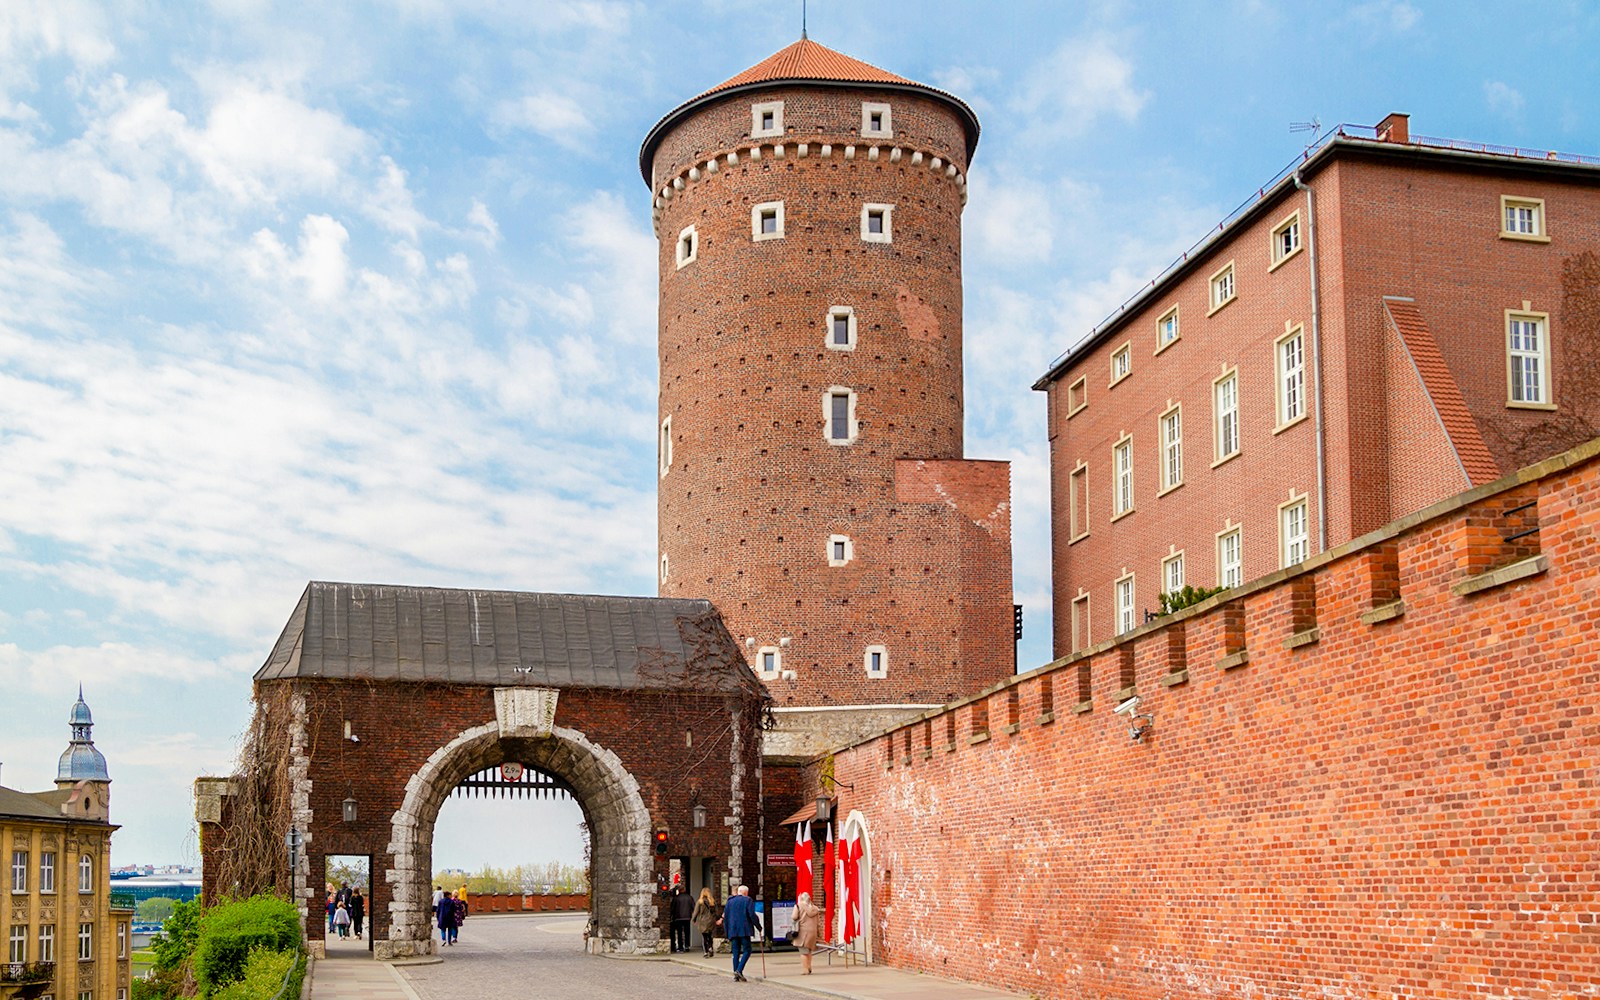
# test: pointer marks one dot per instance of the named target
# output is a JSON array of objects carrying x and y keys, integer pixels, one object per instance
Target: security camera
[{"x": 1128, "y": 707}]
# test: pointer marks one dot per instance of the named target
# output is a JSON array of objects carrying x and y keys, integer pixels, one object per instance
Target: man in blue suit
[{"x": 739, "y": 921}]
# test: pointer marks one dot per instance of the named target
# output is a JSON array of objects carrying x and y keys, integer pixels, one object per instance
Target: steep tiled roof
[{"x": 1448, "y": 402}]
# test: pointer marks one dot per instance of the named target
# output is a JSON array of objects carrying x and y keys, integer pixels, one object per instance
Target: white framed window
[
  {"x": 1223, "y": 290},
  {"x": 1522, "y": 219},
  {"x": 877, "y": 121},
  {"x": 1077, "y": 395},
  {"x": 769, "y": 662},
  {"x": 665, "y": 567},
  {"x": 839, "y": 415},
  {"x": 840, "y": 550},
  {"x": 1121, "y": 363},
  {"x": 1528, "y": 359},
  {"x": 1078, "y": 500},
  {"x": 688, "y": 246},
  {"x": 1167, "y": 330},
  {"x": 1122, "y": 478},
  {"x": 1172, "y": 449},
  {"x": 86, "y": 995},
  {"x": 47, "y": 871},
  {"x": 1294, "y": 532},
  {"x": 122, "y": 939},
  {"x": 1291, "y": 352},
  {"x": 877, "y": 223},
  {"x": 766, "y": 221},
  {"x": 85, "y": 942},
  {"x": 85, "y": 874},
  {"x": 1225, "y": 416},
  {"x": 1127, "y": 614},
  {"x": 665, "y": 448},
  {"x": 1172, "y": 574},
  {"x": 1080, "y": 622},
  {"x": 1285, "y": 240},
  {"x": 1230, "y": 557},
  {"x": 841, "y": 325},
  {"x": 876, "y": 661},
  {"x": 19, "y": 871},
  {"x": 18, "y": 950},
  {"x": 47, "y": 942},
  {"x": 766, "y": 119}
]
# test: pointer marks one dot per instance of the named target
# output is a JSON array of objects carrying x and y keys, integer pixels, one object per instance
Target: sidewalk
[
  {"x": 350, "y": 973},
  {"x": 853, "y": 982}
]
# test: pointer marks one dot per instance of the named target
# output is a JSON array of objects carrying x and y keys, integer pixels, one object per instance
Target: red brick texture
[
  {"x": 1399, "y": 807},
  {"x": 1393, "y": 223},
  {"x": 755, "y": 489}
]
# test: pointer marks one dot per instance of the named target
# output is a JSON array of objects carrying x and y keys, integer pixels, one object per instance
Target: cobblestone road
[{"x": 543, "y": 957}]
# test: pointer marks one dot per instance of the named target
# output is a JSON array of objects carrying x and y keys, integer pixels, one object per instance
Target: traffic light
[{"x": 661, "y": 843}]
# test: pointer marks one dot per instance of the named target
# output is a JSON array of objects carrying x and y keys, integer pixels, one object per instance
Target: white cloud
[
  {"x": 105, "y": 666},
  {"x": 258, "y": 145},
  {"x": 1503, "y": 99},
  {"x": 1012, "y": 219},
  {"x": 1382, "y": 20},
  {"x": 320, "y": 262},
  {"x": 555, "y": 116},
  {"x": 390, "y": 201},
  {"x": 1081, "y": 81},
  {"x": 481, "y": 219}
]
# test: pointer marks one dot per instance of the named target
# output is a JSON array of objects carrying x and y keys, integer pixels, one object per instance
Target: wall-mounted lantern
[
  {"x": 350, "y": 808},
  {"x": 699, "y": 813}
]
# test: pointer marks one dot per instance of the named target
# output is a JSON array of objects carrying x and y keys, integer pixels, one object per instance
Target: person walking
[
  {"x": 705, "y": 919},
  {"x": 341, "y": 920},
  {"x": 807, "y": 929},
  {"x": 331, "y": 905},
  {"x": 682, "y": 912},
  {"x": 358, "y": 911},
  {"x": 433, "y": 907},
  {"x": 739, "y": 921},
  {"x": 445, "y": 916},
  {"x": 461, "y": 915}
]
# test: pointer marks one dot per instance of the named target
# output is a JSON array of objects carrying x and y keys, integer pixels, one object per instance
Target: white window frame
[
  {"x": 887, "y": 212},
  {"x": 1535, "y": 206},
  {"x": 1127, "y": 603},
  {"x": 1222, "y": 288},
  {"x": 1291, "y": 380},
  {"x": 772, "y": 209},
  {"x": 1222, "y": 419},
  {"x": 691, "y": 236},
  {"x": 1230, "y": 569},
  {"x": 759, "y": 111},
  {"x": 1078, "y": 492},
  {"x": 835, "y": 313},
  {"x": 19, "y": 870},
  {"x": 1170, "y": 428},
  {"x": 776, "y": 653},
  {"x": 834, "y": 542},
  {"x": 1121, "y": 363},
  {"x": 122, "y": 939},
  {"x": 664, "y": 446},
  {"x": 1276, "y": 253},
  {"x": 665, "y": 568},
  {"x": 86, "y": 942},
  {"x": 1540, "y": 357},
  {"x": 882, "y": 653},
  {"x": 850, "y": 417},
  {"x": 47, "y": 872},
  {"x": 1167, "y": 585},
  {"x": 17, "y": 944},
  {"x": 886, "y": 120},
  {"x": 85, "y": 873},
  {"x": 1294, "y": 547},
  {"x": 1081, "y": 636},
  {"x": 47, "y": 942},
  {"x": 1080, "y": 389},
  {"x": 1171, "y": 319},
  {"x": 1122, "y": 477}
]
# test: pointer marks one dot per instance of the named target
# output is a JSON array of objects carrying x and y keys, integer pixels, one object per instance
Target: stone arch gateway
[{"x": 377, "y": 702}]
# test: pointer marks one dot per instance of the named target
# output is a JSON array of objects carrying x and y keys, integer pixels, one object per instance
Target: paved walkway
[{"x": 537, "y": 956}]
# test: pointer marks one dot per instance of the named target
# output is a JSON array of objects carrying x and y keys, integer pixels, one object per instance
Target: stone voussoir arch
[{"x": 621, "y": 908}]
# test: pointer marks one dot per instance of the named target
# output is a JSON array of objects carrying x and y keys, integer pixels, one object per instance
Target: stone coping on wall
[{"x": 1587, "y": 452}]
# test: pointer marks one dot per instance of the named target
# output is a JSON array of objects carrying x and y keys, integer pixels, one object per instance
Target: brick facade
[
  {"x": 1414, "y": 279},
  {"x": 754, "y": 490},
  {"x": 1370, "y": 775}
]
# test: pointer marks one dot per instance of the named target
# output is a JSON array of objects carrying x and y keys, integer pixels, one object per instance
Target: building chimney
[{"x": 1395, "y": 128}]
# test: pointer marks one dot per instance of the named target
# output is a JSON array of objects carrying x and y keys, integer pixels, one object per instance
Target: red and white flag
[
  {"x": 827, "y": 886},
  {"x": 802, "y": 858},
  {"x": 850, "y": 852}
]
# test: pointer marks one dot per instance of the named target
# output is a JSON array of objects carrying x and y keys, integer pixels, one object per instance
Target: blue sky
[{"x": 366, "y": 292}]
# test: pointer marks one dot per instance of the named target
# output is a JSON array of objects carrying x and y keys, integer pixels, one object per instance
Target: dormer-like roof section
[{"x": 806, "y": 62}]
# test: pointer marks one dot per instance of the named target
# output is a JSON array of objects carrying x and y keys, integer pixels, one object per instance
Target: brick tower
[{"x": 812, "y": 478}]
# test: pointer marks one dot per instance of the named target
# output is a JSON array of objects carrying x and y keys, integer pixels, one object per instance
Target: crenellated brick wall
[{"x": 1374, "y": 775}]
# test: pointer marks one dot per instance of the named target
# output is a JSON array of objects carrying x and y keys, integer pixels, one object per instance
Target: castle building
[
  {"x": 1393, "y": 320},
  {"x": 65, "y": 940},
  {"x": 813, "y": 483}
]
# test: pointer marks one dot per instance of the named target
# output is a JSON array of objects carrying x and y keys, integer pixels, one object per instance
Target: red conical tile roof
[{"x": 805, "y": 62}]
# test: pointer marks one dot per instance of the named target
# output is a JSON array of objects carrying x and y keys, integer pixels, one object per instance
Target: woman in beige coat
[
  {"x": 705, "y": 919},
  {"x": 807, "y": 929}
]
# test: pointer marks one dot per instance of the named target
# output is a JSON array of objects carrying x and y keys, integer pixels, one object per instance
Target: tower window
[
  {"x": 877, "y": 223},
  {"x": 876, "y": 661},
  {"x": 876, "y": 121},
  {"x": 839, "y": 415},
  {"x": 664, "y": 567},
  {"x": 841, "y": 329},
  {"x": 688, "y": 246},
  {"x": 666, "y": 446},
  {"x": 766, "y": 221},
  {"x": 769, "y": 662},
  {"x": 766, "y": 119},
  {"x": 840, "y": 550}
]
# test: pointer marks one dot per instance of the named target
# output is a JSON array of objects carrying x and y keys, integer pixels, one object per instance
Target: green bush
[
  {"x": 1181, "y": 599},
  {"x": 175, "y": 943},
  {"x": 263, "y": 976},
  {"x": 230, "y": 931}
]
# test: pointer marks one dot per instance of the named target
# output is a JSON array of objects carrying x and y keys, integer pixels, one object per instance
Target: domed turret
[{"x": 81, "y": 761}]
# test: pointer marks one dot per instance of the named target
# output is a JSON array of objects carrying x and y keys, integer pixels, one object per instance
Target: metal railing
[
  {"x": 27, "y": 972},
  {"x": 288, "y": 978},
  {"x": 1344, "y": 130}
]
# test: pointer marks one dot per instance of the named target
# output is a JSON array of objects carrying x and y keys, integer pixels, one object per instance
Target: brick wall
[{"x": 1371, "y": 776}]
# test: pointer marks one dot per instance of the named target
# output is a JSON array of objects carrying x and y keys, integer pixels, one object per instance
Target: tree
[{"x": 154, "y": 910}]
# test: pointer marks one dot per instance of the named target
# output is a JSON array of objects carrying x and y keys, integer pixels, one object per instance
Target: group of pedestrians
[
  {"x": 739, "y": 922},
  {"x": 347, "y": 911},
  {"x": 449, "y": 913}
]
